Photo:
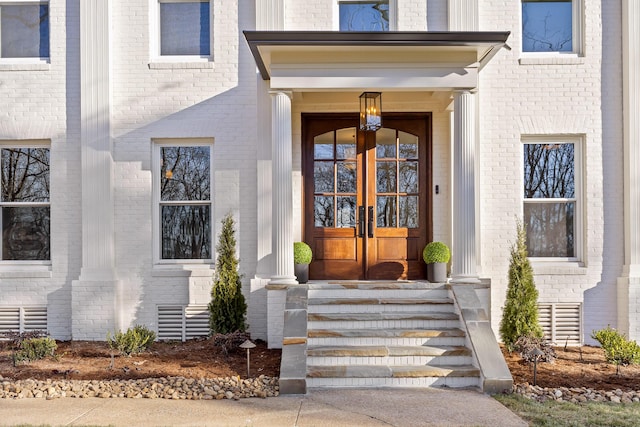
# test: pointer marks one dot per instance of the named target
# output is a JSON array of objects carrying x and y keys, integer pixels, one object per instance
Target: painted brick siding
[{"x": 554, "y": 97}]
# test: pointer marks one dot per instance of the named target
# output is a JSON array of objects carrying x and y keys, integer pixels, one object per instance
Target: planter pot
[
  {"x": 437, "y": 272},
  {"x": 302, "y": 272}
]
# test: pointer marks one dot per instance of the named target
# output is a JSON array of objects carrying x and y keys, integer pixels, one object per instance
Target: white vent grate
[
  {"x": 561, "y": 322},
  {"x": 23, "y": 319},
  {"x": 179, "y": 322}
]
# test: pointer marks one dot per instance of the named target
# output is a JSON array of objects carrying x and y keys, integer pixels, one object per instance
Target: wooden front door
[{"x": 367, "y": 213}]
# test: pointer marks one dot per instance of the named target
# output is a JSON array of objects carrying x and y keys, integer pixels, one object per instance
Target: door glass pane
[
  {"x": 323, "y": 146},
  {"x": 25, "y": 232},
  {"x": 409, "y": 177},
  {"x": 346, "y": 143},
  {"x": 408, "y": 211},
  {"x": 386, "y": 177},
  {"x": 408, "y": 145},
  {"x": 386, "y": 144},
  {"x": 386, "y": 211},
  {"x": 186, "y": 232},
  {"x": 323, "y": 177},
  {"x": 323, "y": 211},
  {"x": 346, "y": 177},
  {"x": 346, "y": 212},
  {"x": 550, "y": 229}
]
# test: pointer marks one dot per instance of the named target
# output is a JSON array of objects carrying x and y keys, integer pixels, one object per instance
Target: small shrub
[
  {"x": 617, "y": 348},
  {"x": 133, "y": 341},
  {"x": 229, "y": 341},
  {"x": 526, "y": 344},
  {"x": 31, "y": 349},
  {"x": 436, "y": 252},
  {"x": 302, "y": 253},
  {"x": 15, "y": 338}
]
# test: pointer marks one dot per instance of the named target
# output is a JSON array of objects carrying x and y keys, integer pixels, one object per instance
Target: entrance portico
[{"x": 402, "y": 62}]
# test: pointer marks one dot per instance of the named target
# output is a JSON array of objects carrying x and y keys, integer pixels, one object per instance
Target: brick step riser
[
  {"x": 382, "y": 324},
  {"x": 390, "y": 360},
  {"x": 379, "y": 308},
  {"x": 378, "y": 293},
  {"x": 386, "y": 341},
  {"x": 453, "y": 382}
]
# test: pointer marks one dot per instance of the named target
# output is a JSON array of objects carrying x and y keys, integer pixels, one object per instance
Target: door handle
[
  {"x": 361, "y": 221},
  {"x": 370, "y": 223}
]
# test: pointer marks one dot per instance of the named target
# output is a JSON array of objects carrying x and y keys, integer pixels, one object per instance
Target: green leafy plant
[
  {"x": 617, "y": 348},
  {"x": 227, "y": 307},
  {"x": 520, "y": 314},
  {"x": 302, "y": 253},
  {"x": 436, "y": 252},
  {"x": 134, "y": 340},
  {"x": 31, "y": 349}
]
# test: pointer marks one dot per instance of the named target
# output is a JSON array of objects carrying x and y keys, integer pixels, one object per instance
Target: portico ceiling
[{"x": 402, "y": 61}]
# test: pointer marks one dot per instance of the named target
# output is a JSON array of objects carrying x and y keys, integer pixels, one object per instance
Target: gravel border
[
  {"x": 177, "y": 388},
  {"x": 575, "y": 394}
]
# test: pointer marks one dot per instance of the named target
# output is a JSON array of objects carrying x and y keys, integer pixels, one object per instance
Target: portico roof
[{"x": 323, "y": 60}]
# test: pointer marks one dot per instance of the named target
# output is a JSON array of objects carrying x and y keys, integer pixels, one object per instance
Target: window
[
  {"x": 185, "y": 27},
  {"x": 551, "y": 199},
  {"x": 364, "y": 15},
  {"x": 25, "y": 206},
  {"x": 550, "y": 26},
  {"x": 184, "y": 207},
  {"x": 24, "y": 29}
]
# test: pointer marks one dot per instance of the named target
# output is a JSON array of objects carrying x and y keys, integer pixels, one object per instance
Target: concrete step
[
  {"x": 386, "y": 341},
  {"x": 393, "y": 355},
  {"x": 383, "y": 316},
  {"x": 401, "y": 371},
  {"x": 355, "y": 301},
  {"x": 386, "y": 333},
  {"x": 393, "y": 382}
]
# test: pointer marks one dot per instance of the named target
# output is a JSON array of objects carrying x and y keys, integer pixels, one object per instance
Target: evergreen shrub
[
  {"x": 617, "y": 348},
  {"x": 436, "y": 252},
  {"x": 32, "y": 349},
  {"x": 133, "y": 341},
  {"x": 302, "y": 253}
]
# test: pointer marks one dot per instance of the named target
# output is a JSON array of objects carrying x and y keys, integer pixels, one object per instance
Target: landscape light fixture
[
  {"x": 248, "y": 345},
  {"x": 370, "y": 111}
]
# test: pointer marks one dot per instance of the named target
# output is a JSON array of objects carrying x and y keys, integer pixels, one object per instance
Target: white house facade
[{"x": 129, "y": 129}]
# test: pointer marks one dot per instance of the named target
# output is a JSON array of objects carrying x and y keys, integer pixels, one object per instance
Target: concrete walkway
[{"x": 344, "y": 407}]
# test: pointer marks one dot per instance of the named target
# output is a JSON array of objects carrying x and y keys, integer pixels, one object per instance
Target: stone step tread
[
  {"x": 386, "y": 333},
  {"x": 393, "y": 315},
  {"x": 386, "y": 351},
  {"x": 382, "y": 371},
  {"x": 376, "y": 285},
  {"x": 376, "y": 301}
]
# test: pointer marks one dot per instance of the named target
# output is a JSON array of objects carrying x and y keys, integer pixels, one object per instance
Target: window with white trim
[
  {"x": 551, "y": 26},
  {"x": 183, "y": 183},
  {"x": 25, "y": 204},
  {"x": 24, "y": 29},
  {"x": 552, "y": 198},
  {"x": 184, "y": 28},
  {"x": 362, "y": 15}
]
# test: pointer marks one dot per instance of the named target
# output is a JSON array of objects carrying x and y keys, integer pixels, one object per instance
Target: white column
[
  {"x": 629, "y": 283},
  {"x": 463, "y": 258},
  {"x": 96, "y": 294},
  {"x": 269, "y": 15},
  {"x": 463, "y": 15},
  {"x": 282, "y": 188}
]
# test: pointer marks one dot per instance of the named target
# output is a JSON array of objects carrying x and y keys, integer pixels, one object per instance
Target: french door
[{"x": 367, "y": 213}]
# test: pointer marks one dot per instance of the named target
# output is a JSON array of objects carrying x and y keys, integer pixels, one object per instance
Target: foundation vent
[
  {"x": 182, "y": 322},
  {"x": 23, "y": 319},
  {"x": 561, "y": 323}
]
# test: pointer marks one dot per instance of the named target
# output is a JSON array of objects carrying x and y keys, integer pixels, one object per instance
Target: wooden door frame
[{"x": 324, "y": 122}]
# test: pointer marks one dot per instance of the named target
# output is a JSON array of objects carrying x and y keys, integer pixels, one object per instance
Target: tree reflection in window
[
  {"x": 550, "y": 199},
  {"x": 364, "y": 15},
  {"x": 25, "y": 204},
  {"x": 185, "y": 193}
]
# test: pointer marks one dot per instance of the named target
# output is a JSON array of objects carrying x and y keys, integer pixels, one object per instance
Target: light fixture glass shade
[{"x": 370, "y": 111}]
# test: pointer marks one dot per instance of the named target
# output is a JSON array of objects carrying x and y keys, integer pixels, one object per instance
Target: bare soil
[
  {"x": 200, "y": 358},
  {"x": 91, "y": 360}
]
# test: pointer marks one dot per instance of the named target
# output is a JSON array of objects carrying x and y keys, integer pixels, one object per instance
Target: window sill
[
  {"x": 541, "y": 268},
  {"x": 187, "y": 65},
  {"x": 25, "y": 271},
  {"x": 33, "y": 66},
  {"x": 551, "y": 60},
  {"x": 190, "y": 270}
]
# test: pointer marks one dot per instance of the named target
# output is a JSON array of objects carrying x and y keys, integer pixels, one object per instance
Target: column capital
[{"x": 276, "y": 92}]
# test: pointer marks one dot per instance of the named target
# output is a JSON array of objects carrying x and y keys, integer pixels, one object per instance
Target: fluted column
[
  {"x": 464, "y": 268},
  {"x": 629, "y": 283},
  {"x": 269, "y": 15},
  {"x": 282, "y": 188},
  {"x": 463, "y": 15}
]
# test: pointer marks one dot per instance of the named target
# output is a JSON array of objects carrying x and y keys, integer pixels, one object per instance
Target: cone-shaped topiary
[
  {"x": 436, "y": 252},
  {"x": 520, "y": 314},
  {"x": 227, "y": 307}
]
